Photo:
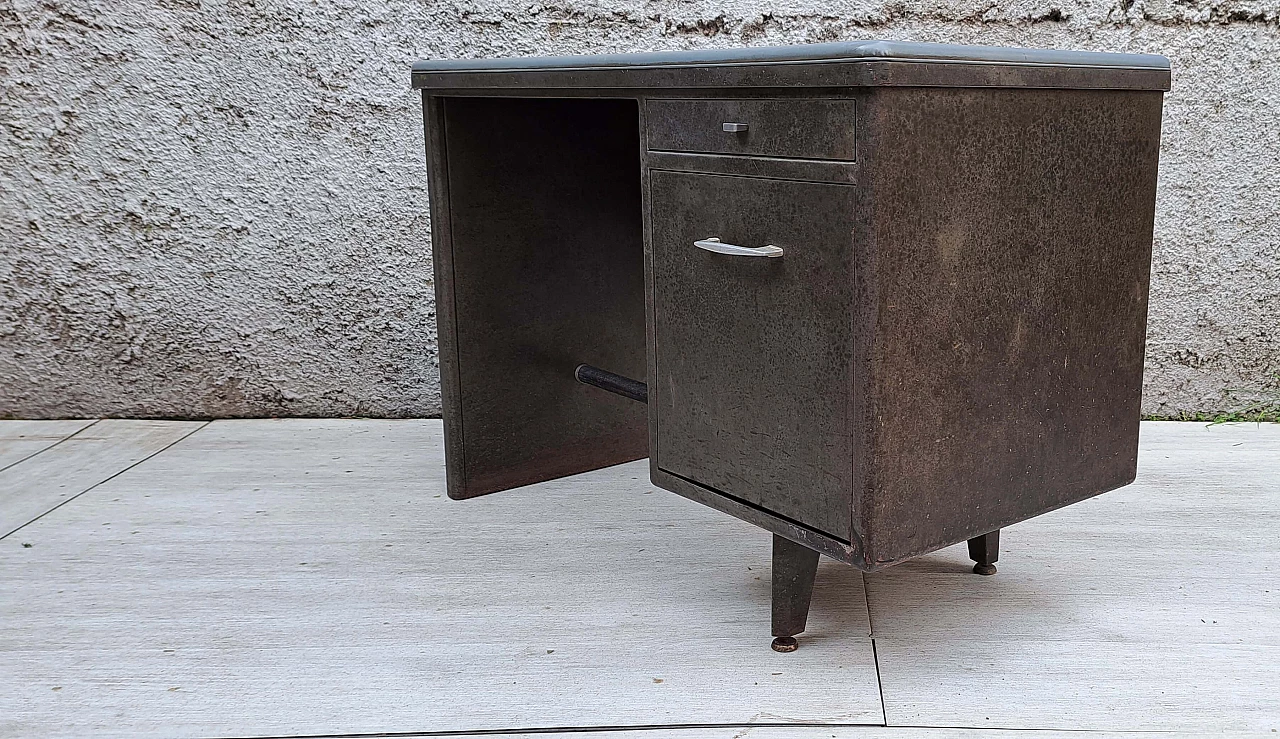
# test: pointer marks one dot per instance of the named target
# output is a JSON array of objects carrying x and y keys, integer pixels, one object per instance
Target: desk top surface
[{"x": 822, "y": 63}]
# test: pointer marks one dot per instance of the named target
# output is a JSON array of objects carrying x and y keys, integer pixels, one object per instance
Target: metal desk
[{"x": 874, "y": 297}]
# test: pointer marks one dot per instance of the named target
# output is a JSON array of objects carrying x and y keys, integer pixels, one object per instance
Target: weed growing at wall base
[{"x": 1250, "y": 405}]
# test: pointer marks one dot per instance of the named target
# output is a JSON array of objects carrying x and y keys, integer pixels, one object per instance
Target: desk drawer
[
  {"x": 753, "y": 352},
  {"x": 814, "y": 128}
]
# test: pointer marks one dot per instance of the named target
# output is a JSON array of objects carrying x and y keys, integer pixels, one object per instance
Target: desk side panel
[
  {"x": 546, "y": 272},
  {"x": 442, "y": 268},
  {"x": 1012, "y": 233}
]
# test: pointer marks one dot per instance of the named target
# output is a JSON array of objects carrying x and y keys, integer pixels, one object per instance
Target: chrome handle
[
  {"x": 719, "y": 247},
  {"x": 733, "y": 127}
]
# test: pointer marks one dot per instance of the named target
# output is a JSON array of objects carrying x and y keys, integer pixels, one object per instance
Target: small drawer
[{"x": 798, "y": 128}]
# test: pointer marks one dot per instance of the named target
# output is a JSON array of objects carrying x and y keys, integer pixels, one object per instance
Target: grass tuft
[{"x": 1249, "y": 405}]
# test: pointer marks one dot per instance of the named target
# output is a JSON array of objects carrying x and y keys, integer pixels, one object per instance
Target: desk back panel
[{"x": 545, "y": 257}]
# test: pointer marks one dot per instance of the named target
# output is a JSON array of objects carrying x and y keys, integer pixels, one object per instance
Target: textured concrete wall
[{"x": 217, "y": 207}]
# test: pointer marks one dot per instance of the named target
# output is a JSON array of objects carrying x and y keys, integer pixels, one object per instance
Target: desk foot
[
  {"x": 794, "y": 568},
  {"x": 985, "y": 550}
]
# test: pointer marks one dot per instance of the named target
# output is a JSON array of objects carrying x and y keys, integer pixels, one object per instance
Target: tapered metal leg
[
  {"x": 794, "y": 568},
  {"x": 985, "y": 550}
]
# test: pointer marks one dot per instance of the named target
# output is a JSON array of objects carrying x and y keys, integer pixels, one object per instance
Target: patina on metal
[{"x": 881, "y": 297}]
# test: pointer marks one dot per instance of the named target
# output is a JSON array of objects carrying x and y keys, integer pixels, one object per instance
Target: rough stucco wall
[{"x": 217, "y": 207}]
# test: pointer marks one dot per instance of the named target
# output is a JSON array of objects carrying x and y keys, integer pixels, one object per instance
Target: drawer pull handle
[
  {"x": 719, "y": 247},
  {"x": 733, "y": 127}
]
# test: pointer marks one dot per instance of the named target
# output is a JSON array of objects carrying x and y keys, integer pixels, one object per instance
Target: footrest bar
[{"x": 616, "y": 384}]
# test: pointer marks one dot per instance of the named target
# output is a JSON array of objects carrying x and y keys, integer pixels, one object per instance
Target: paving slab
[
  {"x": 22, "y": 439},
  {"x": 846, "y": 732},
  {"x": 309, "y": 577},
  {"x": 41, "y": 482},
  {"x": 1153, "y": 607}
]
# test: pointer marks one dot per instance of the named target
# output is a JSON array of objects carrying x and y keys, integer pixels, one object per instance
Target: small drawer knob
[{"x": 733, "y": 127}]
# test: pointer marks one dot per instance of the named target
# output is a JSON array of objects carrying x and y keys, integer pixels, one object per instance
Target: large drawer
[
  {"x": 802, "y": 128},
  {"x": 753, "y": 353}
]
